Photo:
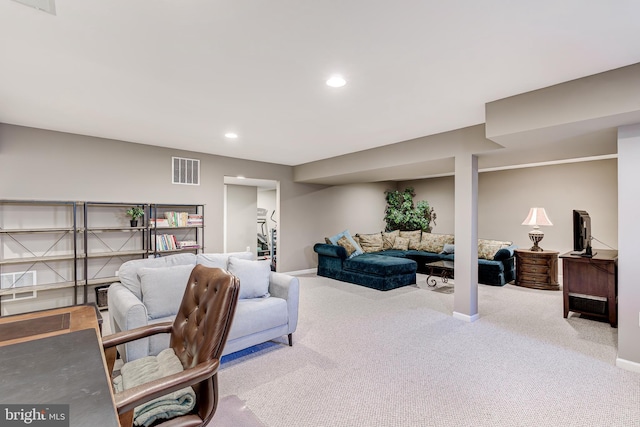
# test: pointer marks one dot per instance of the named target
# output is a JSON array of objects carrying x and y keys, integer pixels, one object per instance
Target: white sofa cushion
[
  {"x": 253, "y": 275},
  {"x": 221, "y": 260},
  {"x": 163, "y": 288},
  {"x": 257, "y": 315},
  {"x": 128, "y": 272}
]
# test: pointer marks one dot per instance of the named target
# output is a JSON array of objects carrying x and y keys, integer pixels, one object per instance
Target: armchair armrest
[
  {"x": 126, "y": 312},
  {"x": 125, "y": 309},
  {"x": 505, "y": 253},
  {"x": 110, "y": 342},
  {"x": 134, "y": 334},
  {"x": 330, "y": 250},
  {"x": 288, "y": 288}
]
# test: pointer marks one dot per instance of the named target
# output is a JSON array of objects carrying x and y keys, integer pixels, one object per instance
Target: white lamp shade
[{"x": 536, "y": 217}]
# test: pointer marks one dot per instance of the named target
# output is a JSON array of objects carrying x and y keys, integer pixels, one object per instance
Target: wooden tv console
[{"x": 590, "y": 285}]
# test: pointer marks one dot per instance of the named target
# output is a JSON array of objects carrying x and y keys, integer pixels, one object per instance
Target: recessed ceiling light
[
  {"x": 336, "y": 81},
  {"x": 231, "y": 135}
]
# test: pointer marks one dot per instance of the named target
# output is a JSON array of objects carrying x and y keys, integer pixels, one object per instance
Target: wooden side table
[
  {"x": 538, "y": 270},
  {"x": 590, "y": 285}
]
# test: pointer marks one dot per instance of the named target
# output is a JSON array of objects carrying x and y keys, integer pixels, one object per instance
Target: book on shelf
[
  {"x": 158, "y": 222},
  {"x": 166, "y": 242},
  {"x": 188, "y": 244},
  {"x": 194, "y": 219},
  {"x": 171, "y": 219},
  {"x": 178, "y": 219}
]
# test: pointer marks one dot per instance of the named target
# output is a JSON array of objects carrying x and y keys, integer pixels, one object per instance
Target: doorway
[{"x": 251, "y": 216}]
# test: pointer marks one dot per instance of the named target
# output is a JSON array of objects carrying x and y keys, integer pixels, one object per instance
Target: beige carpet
[
  {"x": 232, "y": 412},
  {"x": 362, "y": 357}
]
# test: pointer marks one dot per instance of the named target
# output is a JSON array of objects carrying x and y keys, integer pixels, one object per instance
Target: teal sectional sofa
[
  {"x": 372, "y": 270},
  {"x": 387, "y": 260}
]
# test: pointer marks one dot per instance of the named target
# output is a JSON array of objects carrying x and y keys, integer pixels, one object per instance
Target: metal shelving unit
[
  {"x": 182, "y": 230},
  {"x": 43, "y": 246},
  {"x": 29, "y": 265},
  {"x": 108, "y": 242}
]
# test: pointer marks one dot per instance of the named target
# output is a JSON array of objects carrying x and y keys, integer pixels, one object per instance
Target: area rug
[{"x": 232, "y": 412}]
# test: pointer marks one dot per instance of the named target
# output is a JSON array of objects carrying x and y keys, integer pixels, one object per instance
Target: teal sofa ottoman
[{"x": 371, "y": 270}]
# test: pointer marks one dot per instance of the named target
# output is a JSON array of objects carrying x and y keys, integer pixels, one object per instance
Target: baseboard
[
  {"x": 301, "y": 272},
  {"x": 628, "y": 365},
  {"x": 466, "y": 317}
]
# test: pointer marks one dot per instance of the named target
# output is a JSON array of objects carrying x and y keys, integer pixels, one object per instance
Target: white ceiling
[{"x": 181, "y": 73}]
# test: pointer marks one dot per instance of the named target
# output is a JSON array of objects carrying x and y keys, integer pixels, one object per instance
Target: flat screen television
[{"x": 581, "y": 232}]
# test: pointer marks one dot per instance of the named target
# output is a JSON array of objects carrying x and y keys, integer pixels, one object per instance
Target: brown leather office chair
[{"x": 198, "y": 335}]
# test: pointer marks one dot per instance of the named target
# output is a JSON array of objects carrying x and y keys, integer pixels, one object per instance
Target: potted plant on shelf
[{"x": 134, "y": 213}]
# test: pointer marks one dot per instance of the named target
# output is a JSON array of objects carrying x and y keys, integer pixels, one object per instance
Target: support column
[
  {"x": 628, "y": 252},
  {"x": 465, "y": 301}
]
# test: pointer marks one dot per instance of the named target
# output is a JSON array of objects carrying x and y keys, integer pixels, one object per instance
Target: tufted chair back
[{"x": 201, "y": 327}]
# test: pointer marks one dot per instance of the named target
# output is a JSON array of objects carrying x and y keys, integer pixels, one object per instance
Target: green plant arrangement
[
  {"x": 135, "y": 213},
  {"x": 403, "y": 214}
]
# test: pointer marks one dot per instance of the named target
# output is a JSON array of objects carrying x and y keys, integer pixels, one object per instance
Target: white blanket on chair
[{"x": 149, "y": 368}]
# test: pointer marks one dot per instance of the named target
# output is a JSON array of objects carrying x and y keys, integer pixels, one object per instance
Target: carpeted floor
[
  {"x": 445, "y": 289},
  {"x": 232, "y": 412},
  {"x": 362, "y": 357}
]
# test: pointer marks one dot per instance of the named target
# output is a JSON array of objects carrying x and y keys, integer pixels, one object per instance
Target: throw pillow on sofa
[
  {"x": 370, "y": 242},
  {"x": 389, "y": 238},
  {"x": 347, "y": 235},
  {"x": 432, "y": 242},
  {"x": 254, "y": 277},
  {"x": 163, "y": 288},
  {"x": 448, "y": 248},
  {"x": 347, "y": 245},
  {"x": 129, "y": 271},
  {"x": 487, "y": 249},
  {"x": 401, "y": 243},
  {"x": 221, "y": 260},
  {"x": 414, "y": 238}
]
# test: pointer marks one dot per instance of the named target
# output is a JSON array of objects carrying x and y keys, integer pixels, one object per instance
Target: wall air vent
[
  {"x": 185, "y": 171},
  {"x": 48, "y": 6},
  {"x": 20, "y": 279}
]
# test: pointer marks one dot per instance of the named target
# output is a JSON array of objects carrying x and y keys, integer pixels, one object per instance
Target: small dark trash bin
[{"x": 101, "y": 296}]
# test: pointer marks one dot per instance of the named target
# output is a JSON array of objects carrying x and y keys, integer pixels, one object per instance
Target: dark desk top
[
  {"x": 62, "y": 369},
  {"x": 598, "y": 254}
]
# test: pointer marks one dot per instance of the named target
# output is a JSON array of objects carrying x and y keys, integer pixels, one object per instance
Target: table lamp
[{"x": 536, "y": 218}]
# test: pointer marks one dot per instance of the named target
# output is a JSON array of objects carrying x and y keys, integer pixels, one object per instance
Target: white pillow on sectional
[
  {"x": 253, "y": 275},
  {"x": 221, "y": 260},
  {"x": 213, "y": 260},
  {"x": 163, "y": 289},
  {"x": 241, "y": 255},
  {"x": 129, "y": 271}
]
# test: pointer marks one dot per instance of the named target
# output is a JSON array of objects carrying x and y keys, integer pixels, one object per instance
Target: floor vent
[{"x": 185, "y": 171}]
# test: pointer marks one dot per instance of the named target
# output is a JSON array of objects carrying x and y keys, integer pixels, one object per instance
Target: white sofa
[{"x": 150, "y": 291}]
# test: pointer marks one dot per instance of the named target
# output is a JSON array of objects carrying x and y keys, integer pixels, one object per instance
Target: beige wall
[
  {"x": 242, "y": 206},
  {"x": 40, "y": 164},
  {"x": 329, "y": 210},
  {"x": 439, "y": 192},
  {"x": 504, "y": 199},
  {"x": 566, "y": 110},
  {"x": 628, "y": 265},
  {"x": 46, "y": 165}
]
